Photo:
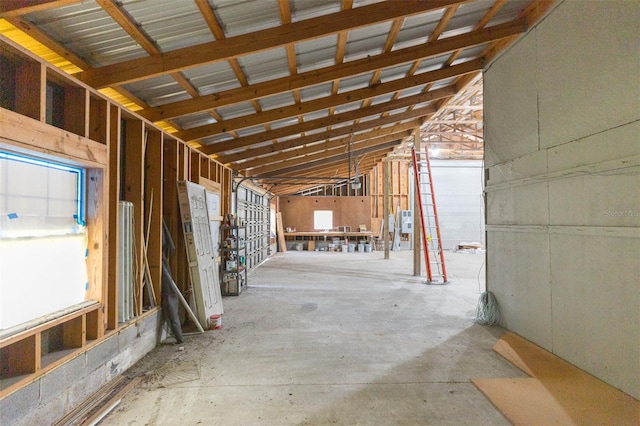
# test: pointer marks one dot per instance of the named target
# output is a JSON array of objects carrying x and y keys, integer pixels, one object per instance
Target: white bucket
[
  {"x": 215, "y": 322},
  {"x": 352, "y": 248},
  {"x": 361, "y": 248}
]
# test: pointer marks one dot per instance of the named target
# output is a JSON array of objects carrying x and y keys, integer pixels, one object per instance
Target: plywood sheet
[{"x": 556, "y": 393}]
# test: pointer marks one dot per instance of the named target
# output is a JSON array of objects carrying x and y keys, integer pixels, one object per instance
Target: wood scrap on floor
[
  {"x": 94, "y": 408},
  {"x": 556, "y": 393}
]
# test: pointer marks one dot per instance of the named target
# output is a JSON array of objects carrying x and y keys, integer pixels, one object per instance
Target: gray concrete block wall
[
  {"x": 563, "y": 187},
  {"x": 53, "y": 395}
]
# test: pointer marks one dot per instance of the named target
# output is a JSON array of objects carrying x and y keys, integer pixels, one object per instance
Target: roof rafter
[
  {"x": 301, "y": 154},
  {"x": 328, "y": 74},
  {"x": 328, "y": 121},
  {"x": 339, "y": 150},
  {"x": 335, "y": 158},
  {"x": 219, "y": 50},
  {"x": 301, "y": 142},
  {"x": 319, "y": 104}
]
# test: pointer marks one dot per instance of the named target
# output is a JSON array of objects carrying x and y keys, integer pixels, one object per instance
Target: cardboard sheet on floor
[{"x": 556, "y": 393}]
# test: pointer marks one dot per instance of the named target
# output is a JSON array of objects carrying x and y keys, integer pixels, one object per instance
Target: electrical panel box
[{"x": 406, "y": 222}]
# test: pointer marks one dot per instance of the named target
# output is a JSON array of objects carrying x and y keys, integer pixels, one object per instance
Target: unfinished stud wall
[{"x": 562, "y": 117}]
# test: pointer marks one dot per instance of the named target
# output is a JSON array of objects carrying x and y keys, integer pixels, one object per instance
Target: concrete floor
[{"x": 330, "y": 338}]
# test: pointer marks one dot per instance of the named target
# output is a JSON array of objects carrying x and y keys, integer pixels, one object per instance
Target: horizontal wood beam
[
  {"x": 318, "y": 149},
  {"x": 336, "y": 72},
  {"x": 27, "y": 134},
  {"x": 337, "y": 168},
  {"x": 301, "y": 142},
  {"x": 327, "y": 102},
  {"x": 232, "y": 47},
  {"x": 331, "y": 120},
  {"x": 333, "y": 159},
  {"x": 9, "y": 8},
  {"x": 264, "y": 168}
]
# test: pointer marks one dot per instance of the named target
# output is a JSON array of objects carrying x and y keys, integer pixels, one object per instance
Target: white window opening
[
  {"x": 323, "y": 220},
  {"x": 43, "y": 241}
]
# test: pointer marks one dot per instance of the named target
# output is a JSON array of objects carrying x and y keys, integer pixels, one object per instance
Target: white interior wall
[
  {"x": 562, "y": 153},
  {"x": 458, "y": 188}
]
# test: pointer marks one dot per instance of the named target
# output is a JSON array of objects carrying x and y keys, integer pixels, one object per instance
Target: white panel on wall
[
  {"x": 619, "y": 143},
  {"x": 518, "y": 273},
  {"x": 458, "y": 189},
  {"x": 588, "y": 65},
  {"x": 521, "y": 205},
  {"x": 604, "y": 199},
  {"x": 578, "y": 271},
  {"x": 510, "y": 98},
  {"x": 596, "y": 305}
]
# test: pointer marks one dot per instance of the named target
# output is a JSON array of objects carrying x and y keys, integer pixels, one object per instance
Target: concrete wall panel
[
  {"x": 510, "y": 94},
  {"x": 596, "y": 200},
  {"x": 520, "y": 168},
  {"x": 613, "y": 144},
  {"x": 588, "y": 60},
  {"x": 521, "y": 205},
  {"x": 518, "y": 274},
  {"x": 596, "y": 300},
  {"x": 570, "y": 281}
]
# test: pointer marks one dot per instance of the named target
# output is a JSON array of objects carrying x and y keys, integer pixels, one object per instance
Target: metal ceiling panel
[
  {"x": 348, "y": 107},
  {"x": 366, "y": 41},
  {"x": 315, "y": 92},
  {"x": 263, "y": 66},
  {"x": 316, "y": 53},
  {"x": 353, "y": 83},
  {"x": 284, "y": 123},
  {"x": 411, "y": 91},
  {"x": 394, "y": 73},
  {"x": 469, "y": 54},
  {"x": 212, "y": 78},
  {"x": 416, "y": 29},
  {"x": 398, "y": 111},
  {"x": 306, "y": 9},
  {"x": 250, "y": 131},
  {"x": 194, "y": 120},
  {"x": 316, "y": 114},
  {"x": 276, "y": 101},
  {"x": 382, "y": 98},
  {"x": 246, "y": 16},
  {"x": 432, "y": 64},
  {"x": 469, "y": 14},
  {"x": 236, "y": 110},
  {"x": 370, "y": 118},
  {"x": 220, "y": 137},
  {"x": 87, "y": 30},
  {"x": 170, "y": 24},
  {"x": 158, "y": 90},
  {"x": 345, "y": 124},
  {"x": 290, "y": 137}
]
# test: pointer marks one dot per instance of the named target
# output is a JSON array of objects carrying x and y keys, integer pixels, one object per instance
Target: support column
[
  {"x": 416, "y": 211},
  {"x": 385, "y": 216}
]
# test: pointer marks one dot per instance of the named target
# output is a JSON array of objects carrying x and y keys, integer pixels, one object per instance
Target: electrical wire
[{"x": 487, "y": 311}]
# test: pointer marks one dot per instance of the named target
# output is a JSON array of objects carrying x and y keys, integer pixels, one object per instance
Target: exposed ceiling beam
[
  {"x": 325, "y": 164},
  {"x": 301, "y": 142},
  {"x": 253, "y": 139},
  {"x": 328, "y": 74},
  {"x": 284, "y": 164},
  {"x": 40, "y": 36},
  {"x": 324, "y": 103},
  {"x": 220, "y": 50},
  {"x": 335, "y": 158},
  {"x": 303, "y": 154},
  {"x": 12, "y": 8}
]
